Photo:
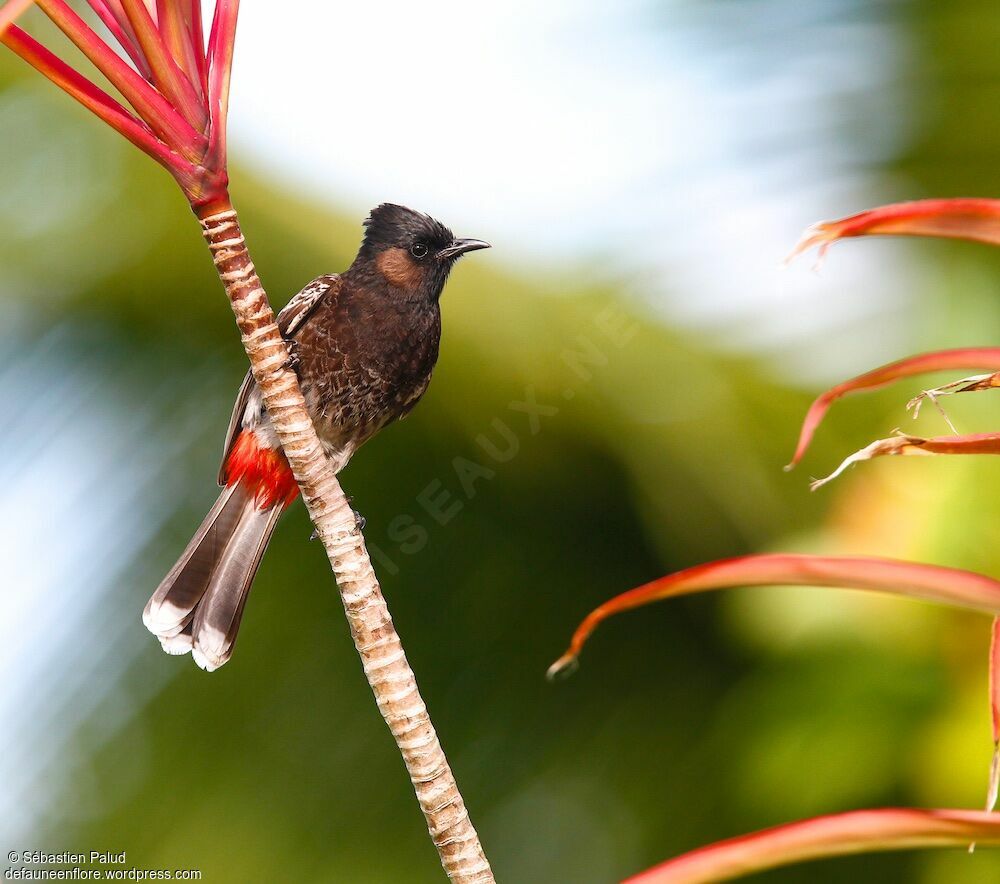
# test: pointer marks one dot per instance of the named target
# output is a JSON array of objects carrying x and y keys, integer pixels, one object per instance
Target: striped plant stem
[{"x": 382, "y": 656}]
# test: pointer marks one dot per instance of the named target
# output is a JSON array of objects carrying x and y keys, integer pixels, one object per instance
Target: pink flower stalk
[{"x": 177, "y": 92}]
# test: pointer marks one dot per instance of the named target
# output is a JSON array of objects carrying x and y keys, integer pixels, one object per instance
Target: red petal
[
  {"x": 179, "y": 40},
  {"x": 221, "y": 43},
  {"x": 94, "y": 99},
  {"x": 152, "y": 107},
  {"x": 113, "y": 15},
  {"x": 167, "y": 75}
]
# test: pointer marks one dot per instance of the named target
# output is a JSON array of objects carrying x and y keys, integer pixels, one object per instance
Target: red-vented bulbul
[{"x": 365, "y": 344}]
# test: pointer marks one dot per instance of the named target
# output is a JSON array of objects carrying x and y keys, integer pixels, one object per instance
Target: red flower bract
[{"x": 178, "y": 90}]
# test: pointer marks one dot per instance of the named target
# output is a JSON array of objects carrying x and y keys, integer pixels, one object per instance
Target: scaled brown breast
[{"x": 365, "y": 356}]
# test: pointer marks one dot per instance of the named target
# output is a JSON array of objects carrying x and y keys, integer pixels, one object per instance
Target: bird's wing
[
  {"x": 290, "y": 320},
  {"x": 235, "y": 423},
  {"x": 297, "y": 310}
]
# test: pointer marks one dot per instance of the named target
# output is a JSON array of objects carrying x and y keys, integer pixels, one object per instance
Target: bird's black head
[{"x": 409, "y": 250}]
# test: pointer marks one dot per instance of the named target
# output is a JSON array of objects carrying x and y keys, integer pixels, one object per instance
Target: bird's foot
[{"x": 359, "y": 521}]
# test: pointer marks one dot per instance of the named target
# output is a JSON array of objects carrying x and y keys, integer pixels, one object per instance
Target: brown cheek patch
[{"x": 398, "y": 268}]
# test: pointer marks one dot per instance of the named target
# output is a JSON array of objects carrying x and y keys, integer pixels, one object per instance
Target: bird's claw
[{"x": 359, "y": 524}]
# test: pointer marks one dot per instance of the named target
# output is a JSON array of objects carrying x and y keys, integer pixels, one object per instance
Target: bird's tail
[{"x": 198, "y": 605}]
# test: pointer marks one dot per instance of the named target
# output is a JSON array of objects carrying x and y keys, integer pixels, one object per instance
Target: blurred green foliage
[{"x": 689, "y": 721}]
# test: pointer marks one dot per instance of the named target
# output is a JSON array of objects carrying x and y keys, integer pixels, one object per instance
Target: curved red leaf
[
  {"x": 963, "y": 218},
  {"x": 976, "y": 443},
  {"x": 859, "y": 831},
  {"x": 950, "y": 586},
  {"x": 961, "y": 359}
]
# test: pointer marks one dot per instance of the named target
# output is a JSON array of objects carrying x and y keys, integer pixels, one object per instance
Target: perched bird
[{"x": 364, "y": 345}]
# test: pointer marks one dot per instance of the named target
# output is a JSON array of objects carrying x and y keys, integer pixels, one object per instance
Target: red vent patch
[{"x": 264, "y": 472}]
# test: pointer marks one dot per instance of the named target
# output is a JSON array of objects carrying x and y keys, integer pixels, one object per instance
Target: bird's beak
[{"x": 461, "y": 246}]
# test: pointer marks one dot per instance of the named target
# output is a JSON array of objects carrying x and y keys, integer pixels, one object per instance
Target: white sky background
[{"x": 687, "y": 154}]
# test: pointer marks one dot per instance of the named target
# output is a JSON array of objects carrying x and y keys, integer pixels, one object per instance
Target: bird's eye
[{"x": 419, "y": 250}]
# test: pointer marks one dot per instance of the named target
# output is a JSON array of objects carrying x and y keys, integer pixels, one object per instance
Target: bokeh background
[{"x": 641, "y": 168}]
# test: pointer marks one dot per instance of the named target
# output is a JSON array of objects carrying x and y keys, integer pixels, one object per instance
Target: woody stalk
[{"x": 174, "y": 88}]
